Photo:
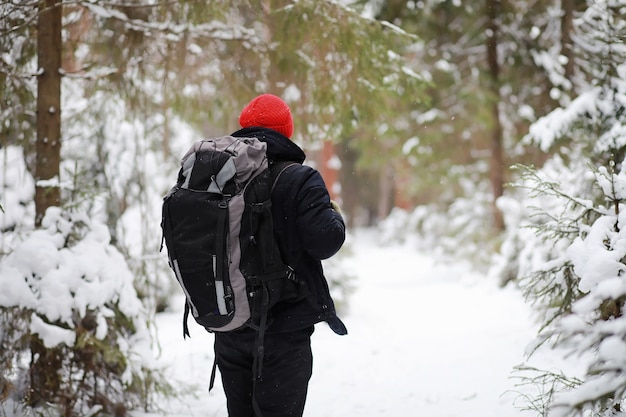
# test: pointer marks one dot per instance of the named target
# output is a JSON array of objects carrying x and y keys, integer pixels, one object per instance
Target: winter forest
[{"x": 489, "y": 131}]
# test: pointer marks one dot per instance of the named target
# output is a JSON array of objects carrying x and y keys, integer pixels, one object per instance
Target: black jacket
[{"x": 307, "y": 230}]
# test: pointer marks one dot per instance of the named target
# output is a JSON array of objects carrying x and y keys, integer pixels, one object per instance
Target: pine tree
[{"x": 572, "y": 269}]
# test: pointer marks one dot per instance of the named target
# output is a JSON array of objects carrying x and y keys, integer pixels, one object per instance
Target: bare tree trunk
[
  {"x": 385, "y": 192},
  {"x": 48, "y": 107},
  {"x": 45, "y": 380},
  {"x": 329, "y": 173},
  {"x": 348, "y": 180},
  {"x": 567, "y": 26},
  {"x": 497, "y": 159}
]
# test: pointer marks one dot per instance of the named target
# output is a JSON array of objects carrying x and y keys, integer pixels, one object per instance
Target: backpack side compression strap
[
  {"x": 219, "y": 257},
  {"x": 167, "y": 236}
]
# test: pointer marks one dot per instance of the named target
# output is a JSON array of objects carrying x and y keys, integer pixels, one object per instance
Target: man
[{"x": 308, "y": 228}]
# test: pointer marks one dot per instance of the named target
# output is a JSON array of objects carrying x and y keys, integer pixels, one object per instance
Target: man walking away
[{"x": 308, "y": 228}]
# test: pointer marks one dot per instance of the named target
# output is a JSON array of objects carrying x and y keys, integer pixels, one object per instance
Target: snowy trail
[
  {"x": 424, "y": 340},
  {"x": 440, "y": 342}
]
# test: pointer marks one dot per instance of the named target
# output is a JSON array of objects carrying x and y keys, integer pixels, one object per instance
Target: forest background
[{"x": 493, "y": 130}]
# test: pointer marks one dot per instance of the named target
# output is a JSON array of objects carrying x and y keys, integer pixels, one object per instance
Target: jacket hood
[{"x": 279, "y": 147}]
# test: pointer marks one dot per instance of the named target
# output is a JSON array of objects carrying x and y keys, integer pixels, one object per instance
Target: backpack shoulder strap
[{"x": 277, "y": 168}]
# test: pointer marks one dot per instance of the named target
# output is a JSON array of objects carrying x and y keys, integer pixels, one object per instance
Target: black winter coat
[{"x": 307, "y": 230}]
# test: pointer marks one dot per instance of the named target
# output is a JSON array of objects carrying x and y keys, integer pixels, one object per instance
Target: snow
[
  {"x": 549, "y": 128},
  {"x": 592, "y": 262},
  {"x": 424, "y": 339},
  {"x": 55, "y": 281},
  {"x": 51, "y": 335}
]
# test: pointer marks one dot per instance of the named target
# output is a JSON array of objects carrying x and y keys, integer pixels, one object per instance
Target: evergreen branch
[
  {"x": 107, "y": 10},
  {"x": 123, "y": 5},
  {"x": 552, "y": 189},
  {"x": 548, "y": 383},
  {"x": 556, "y": 289},
  {"x": 214, "y": 30},
  {"x": 10, "y": 9}
]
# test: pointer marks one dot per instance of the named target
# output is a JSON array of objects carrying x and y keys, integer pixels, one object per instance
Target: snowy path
[{"x": 424, "y": 340}]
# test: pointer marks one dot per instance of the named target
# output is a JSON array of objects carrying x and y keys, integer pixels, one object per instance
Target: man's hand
[{"x": 335, "y": 206}]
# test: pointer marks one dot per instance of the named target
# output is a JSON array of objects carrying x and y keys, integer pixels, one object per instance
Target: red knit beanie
[{"x": 268, "y": 111}]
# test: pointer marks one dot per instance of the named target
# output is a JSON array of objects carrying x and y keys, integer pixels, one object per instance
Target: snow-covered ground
[{"x": 425, "y": 339}]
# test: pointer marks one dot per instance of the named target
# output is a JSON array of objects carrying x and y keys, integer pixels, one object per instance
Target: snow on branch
[
  {"x": 57, "y": 277},
  {"x": 213, "y": 30},
  {"x": 547, "y": 130}
]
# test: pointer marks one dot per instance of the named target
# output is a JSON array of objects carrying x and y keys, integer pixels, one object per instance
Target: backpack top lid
[{"x": 216, "y": 161}]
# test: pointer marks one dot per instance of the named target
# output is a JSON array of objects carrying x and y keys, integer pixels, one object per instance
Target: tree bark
[
  {"x": 329, "y": 173},
  {"x": 48, "y": 145},
  {"x": 567, "y": 27},
  {"x": 497, "y": 158},
  {"x": 385, "y": 192}
]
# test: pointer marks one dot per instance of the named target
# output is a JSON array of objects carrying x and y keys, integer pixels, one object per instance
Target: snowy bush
[
  {"x": 340, "y": 280},
  {"x": 120, "y": 171},
  {"x": 576, "y": 277},
  {"x": 74, "y": 332},
  {"x": 16, "y": 197},
  {"x": 572, "y": 268},
  {"x": 457, "y": 231},
  {"x": 542, "y": 217},
  {"x": 566, "y": 243}
]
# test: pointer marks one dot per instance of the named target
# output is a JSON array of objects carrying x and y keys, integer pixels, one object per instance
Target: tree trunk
[
  {"x": 45, "y": 381},
  {"x": 385, "y": 192},
  {"x": 329, "y": 172},
  {"x": 349, "y": 183},
  {"x": 567, "y": 27},
  {"x": 47, "y": 193},
  {"x": 497, "y": 160}
]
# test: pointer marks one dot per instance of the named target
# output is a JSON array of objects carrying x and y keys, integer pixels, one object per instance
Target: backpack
[{"x": 217, "y": 226}]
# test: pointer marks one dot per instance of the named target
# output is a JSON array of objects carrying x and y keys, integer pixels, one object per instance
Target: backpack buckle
[{"x": 291, "y": 274}]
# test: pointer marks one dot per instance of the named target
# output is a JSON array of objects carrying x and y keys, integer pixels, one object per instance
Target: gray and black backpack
[{"x": 217, "y": 226}]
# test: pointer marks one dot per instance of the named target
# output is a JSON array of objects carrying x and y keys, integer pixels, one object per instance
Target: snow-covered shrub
[
  {"x": 597, "y": 322},
  {"x": 340, "y": 280},
  {"x": 566, "y": 230},
  {"x": 73, "y": 331},
  {"x": 542, "y": 216},
  {"x": 17, "y": 190},
  {"x": 457, "y": 231},
  {"x": 119, "y": 171},
  {"x": 575, "y": 276},
  {"x": 573, "y": 267}
]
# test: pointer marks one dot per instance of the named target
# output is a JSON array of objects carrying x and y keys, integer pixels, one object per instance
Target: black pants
[{"x": 287, "y": 366}]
